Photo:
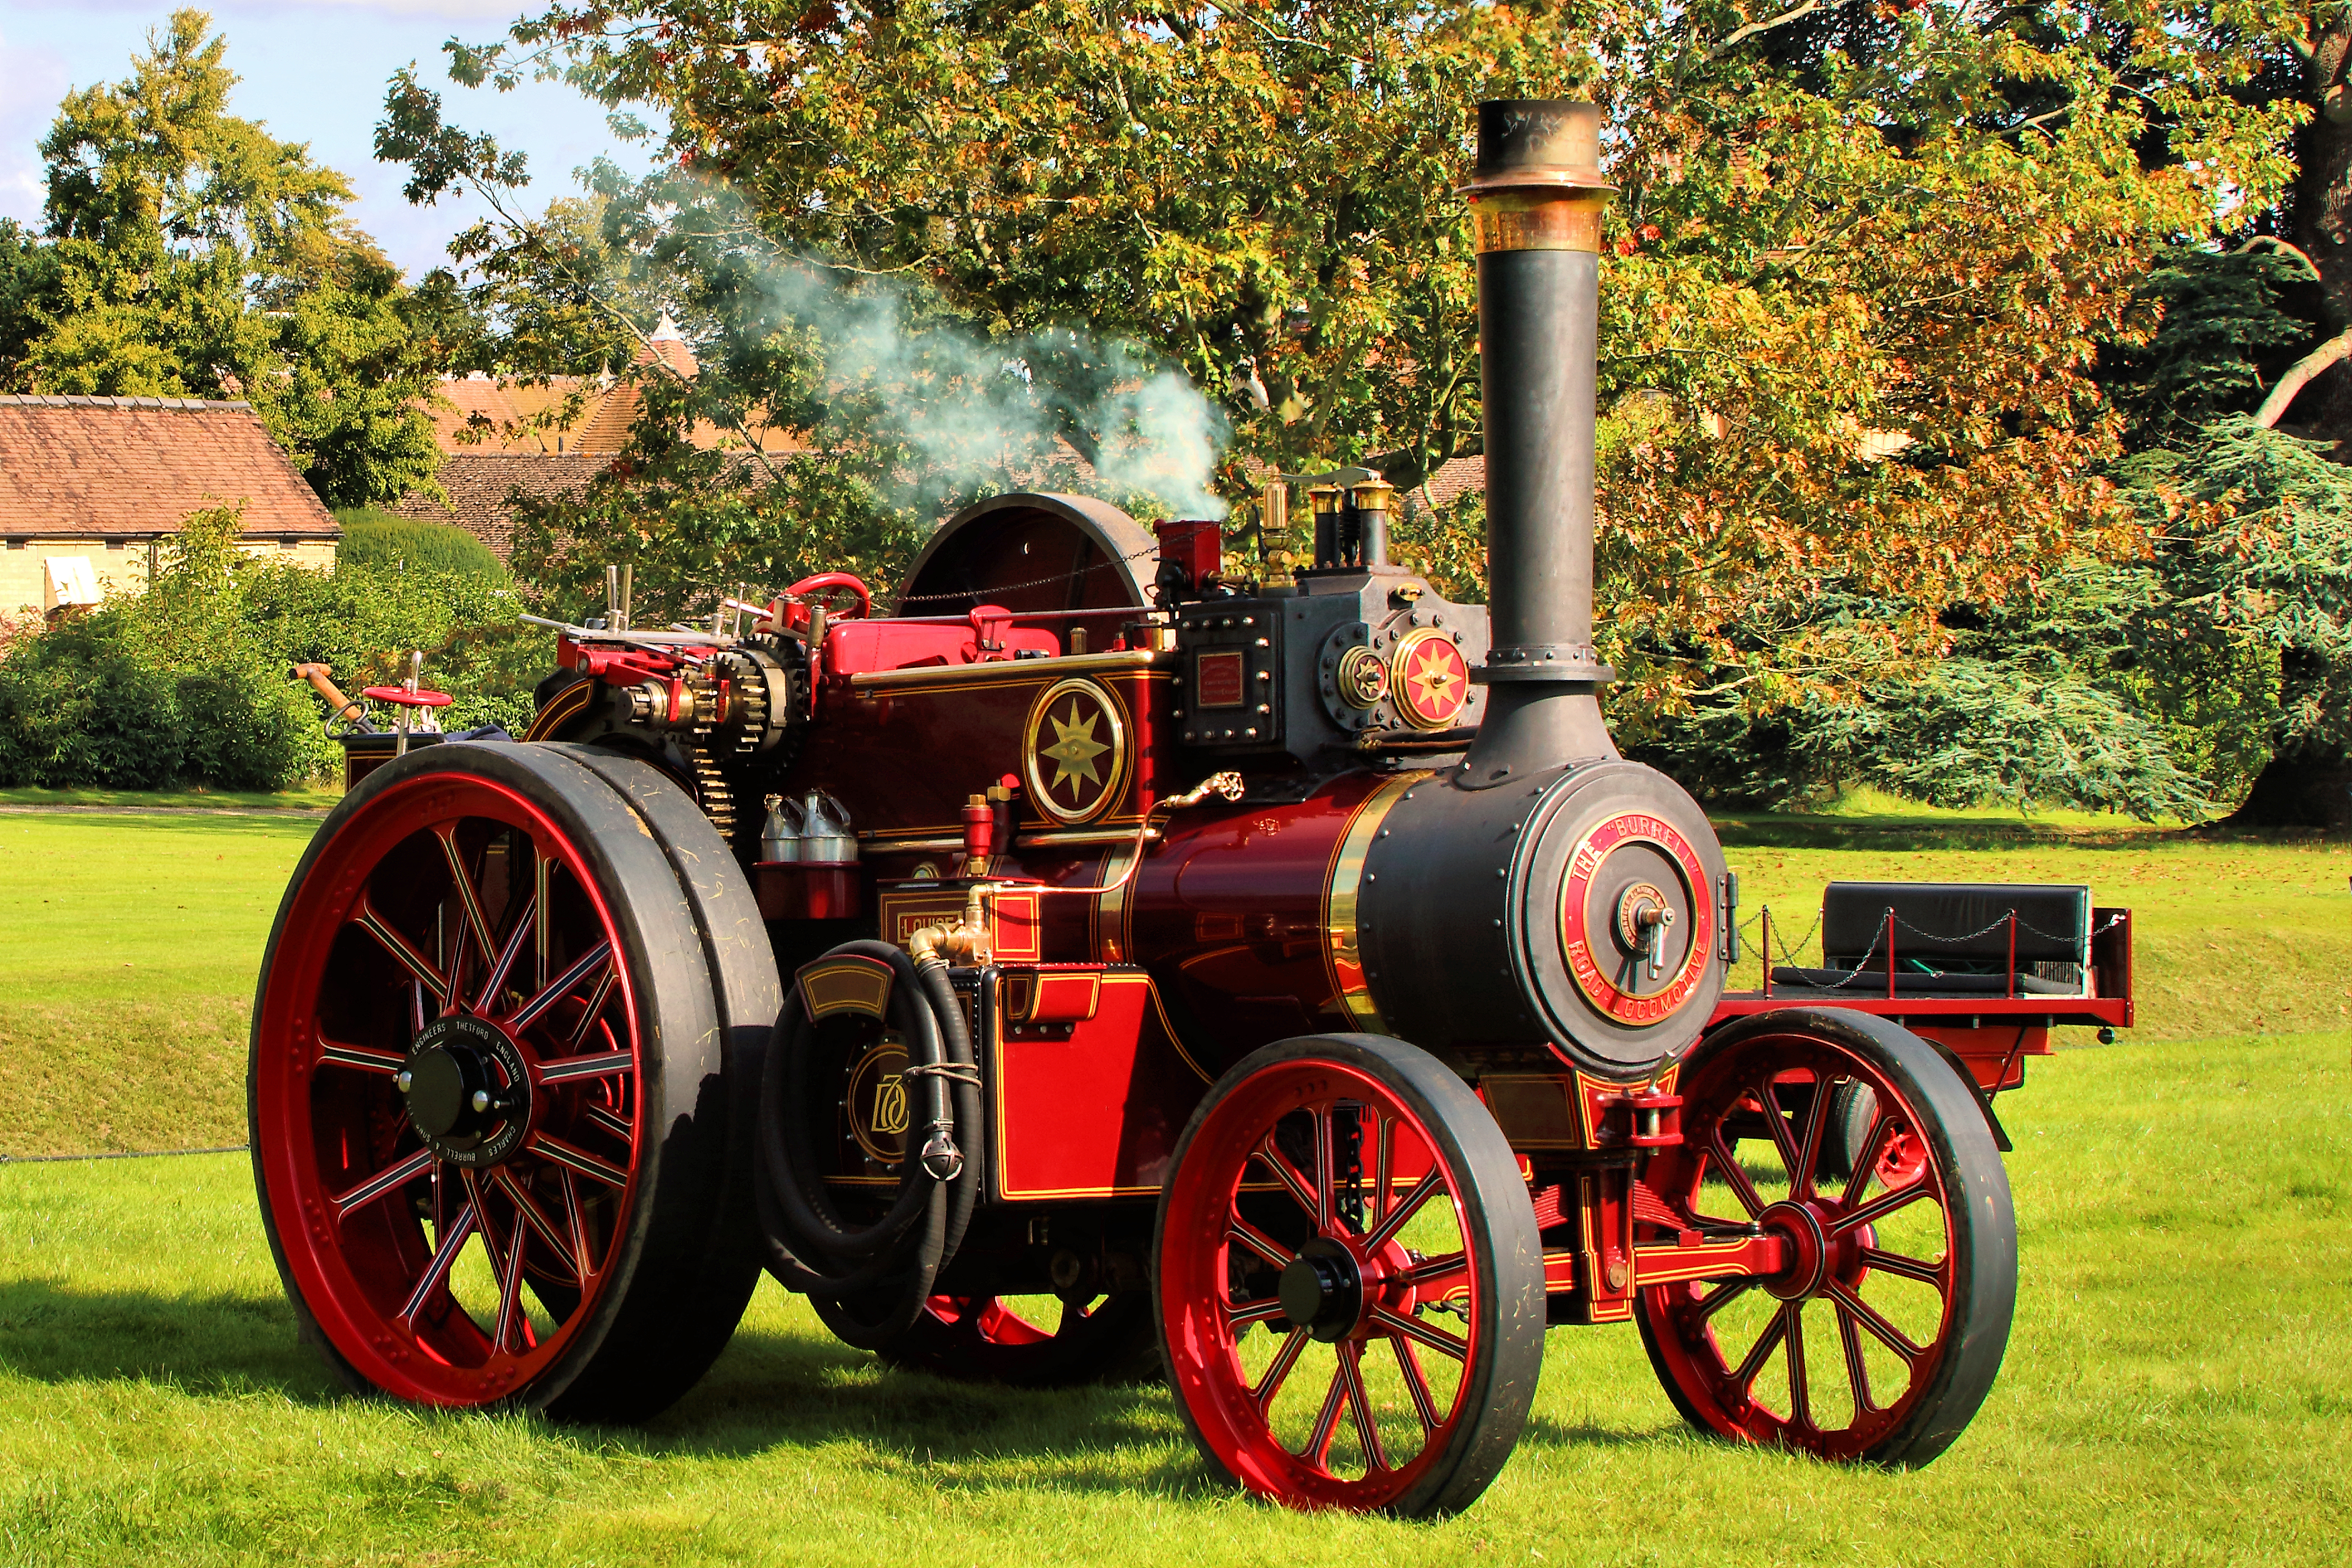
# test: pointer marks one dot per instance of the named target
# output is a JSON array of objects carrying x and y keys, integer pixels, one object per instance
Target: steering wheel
[{"x": 827, "y": 589}]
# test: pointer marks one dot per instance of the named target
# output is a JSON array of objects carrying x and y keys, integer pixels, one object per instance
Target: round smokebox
[
  {"x": 1581, "y": 910},
  {"x": 1616, "y": 923}
]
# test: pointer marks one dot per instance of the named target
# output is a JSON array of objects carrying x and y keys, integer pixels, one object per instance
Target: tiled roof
[
  {"x": 492, "y": 408},
  {"x": 479, "y": 482},
  {"x": 138, "y": 465},
  {"x": 1454, "y": 479}
]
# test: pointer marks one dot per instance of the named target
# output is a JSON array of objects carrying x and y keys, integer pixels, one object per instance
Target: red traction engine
[{"x": 1284, "y": 989}]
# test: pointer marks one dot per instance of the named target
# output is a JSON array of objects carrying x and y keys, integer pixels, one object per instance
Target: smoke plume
[{"x": 974, "y": 413}]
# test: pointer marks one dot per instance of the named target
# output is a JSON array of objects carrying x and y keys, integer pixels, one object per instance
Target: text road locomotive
[{"x": 1102, "y": 967}]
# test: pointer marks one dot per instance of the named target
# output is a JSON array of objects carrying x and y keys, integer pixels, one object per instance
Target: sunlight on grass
[{"x": 2178, "y": 1390}]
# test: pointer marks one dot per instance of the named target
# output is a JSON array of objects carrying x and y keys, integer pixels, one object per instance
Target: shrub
[
  {"x": 78, "y": 710},
  {"x": 242, "y": 730}
]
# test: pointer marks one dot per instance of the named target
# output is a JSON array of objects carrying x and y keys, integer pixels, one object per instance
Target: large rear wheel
[
  {"x": 1351, "y": 1200},
  {"x": 487, "y": 1093},
  {"x": 1882, "y": 1335}
]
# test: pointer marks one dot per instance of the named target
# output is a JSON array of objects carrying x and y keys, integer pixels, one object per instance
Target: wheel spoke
[
  {"x": 523, "y": 1017},
  {"x": 1425, "y": 1404},
  {"x": 1360, "y": 1404},
  {"x": 494, "y": 982},
  {"x": 1816, "y": 1120},
  {"x": 1879, "y": 1208},
  {"x": 1737, "y": 1179},
  {"x": 532, "y": 1214},
  {"x": 1903, "y": 1268},
  {"x": 467, "y": 898},
  {"x": 415, "y": 1008},
  {"x": 1326, "y": 1421},
  {"x": 1722, "y": 1296},
  {"x": 570, "y": 1069},
  {"x": 1420, "y": 1333},
  {"x": 1885, "y": 1332},
  {"x": 539, "y": 905},
  {"x": 1258, "y": 1242},
  {"x": 594, "y": 1010},
  {"x": 1383, "y": 1164},
  {"x": 1744, "y": 1377},
  {"x": 614, "y": 1125},
  {"x": 1401, "y": 1214},
  {"x": 1882, "y": 1128},
  {"x": 512, "y": 1323},
  {"x": 1240, "y": 1315},
  {"x": 1267, "y": 1387},
  {"x": 548, "y": 1147},
  {"x": 1801, "y": 1390},
  {"x": 416, "y": 963},
  {"x": 1429, "y": 1270},
  {"x": 1287, "y": 1173},
  {"x": 1857, "y": 1376},
  {"x": 388, "y": 1180},
  {"x": 576, "y": 1223},
  {"x": 360, "y": 1056},
  {"x": 1778, "y": 1122},
  {"x": 445, "y": 1253}
]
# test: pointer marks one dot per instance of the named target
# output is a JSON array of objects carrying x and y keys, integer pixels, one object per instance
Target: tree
[
  {"x": 189, "y": 253},
  {"x": 1863, "y": 259}
]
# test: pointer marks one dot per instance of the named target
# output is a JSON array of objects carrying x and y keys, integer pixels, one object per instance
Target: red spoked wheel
[
  {"x": 483, "y": 1128},
  {"x": 1349, "y": 1194},
  {"x": 1032, "y": 1342},
  {"x": 1883, "y": 1334}
]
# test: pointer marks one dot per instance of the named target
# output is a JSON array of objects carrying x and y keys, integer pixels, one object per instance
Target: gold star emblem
[
  {"x": 1433, "y": 680},
  {"x": 1074, "y": 748}
]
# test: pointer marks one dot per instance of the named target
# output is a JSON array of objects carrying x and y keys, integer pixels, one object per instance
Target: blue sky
[{"x": 314, "y": 72}]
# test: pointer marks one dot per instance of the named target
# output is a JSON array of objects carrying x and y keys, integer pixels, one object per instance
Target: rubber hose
[
  {"x": 789, "y": 1137},
  {"x": 963, "y": 1193},
  {"x": 789, "y": 1249},
  {"x": 890, "y": 1265}
]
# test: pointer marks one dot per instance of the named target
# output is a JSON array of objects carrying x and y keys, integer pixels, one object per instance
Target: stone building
[{"x": 92, "y": 487}]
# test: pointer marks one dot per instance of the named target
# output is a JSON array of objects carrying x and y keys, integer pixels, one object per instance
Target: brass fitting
[{"x": 966, "y": 942}]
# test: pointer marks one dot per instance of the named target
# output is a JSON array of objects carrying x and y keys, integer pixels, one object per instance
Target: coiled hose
[{"x": 878, "y": 1275}]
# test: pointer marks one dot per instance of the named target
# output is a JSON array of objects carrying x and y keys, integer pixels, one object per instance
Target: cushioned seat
[{"x": 1951, "y": 938}]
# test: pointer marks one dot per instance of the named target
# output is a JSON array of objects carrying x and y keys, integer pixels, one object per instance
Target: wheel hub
[
  {"x": 1322, "y": 1290},
  {"x": 467, "y": 1091},
  {"x": 1809, "y": 1249}
]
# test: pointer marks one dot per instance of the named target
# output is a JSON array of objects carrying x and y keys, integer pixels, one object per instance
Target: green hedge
[
  {"x": 382, "y": 542},
  {"x": 187, "y": 682}
]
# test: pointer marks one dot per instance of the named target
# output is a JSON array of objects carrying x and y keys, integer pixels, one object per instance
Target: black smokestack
[{"x": 1536, "y": 197}]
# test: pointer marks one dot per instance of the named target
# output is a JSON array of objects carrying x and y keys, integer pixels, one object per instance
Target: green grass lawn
[
  {"x": 131, "y": 946},
  {"x": 2178, "y": 1388},
  {"x": 307, "y": 798}
]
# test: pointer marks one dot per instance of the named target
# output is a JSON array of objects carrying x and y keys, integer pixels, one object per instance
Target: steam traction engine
[{"x": 1084, "y": 973}]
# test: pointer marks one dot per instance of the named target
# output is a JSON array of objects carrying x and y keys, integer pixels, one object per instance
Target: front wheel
[
  {"x": 1350, "y": 1200},
  {"x": 1883, "y": 1333}
]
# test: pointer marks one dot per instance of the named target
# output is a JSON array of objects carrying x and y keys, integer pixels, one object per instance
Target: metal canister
[
  {"x": 781, "y": 839},
  {"x": 827, "y": 836}
]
